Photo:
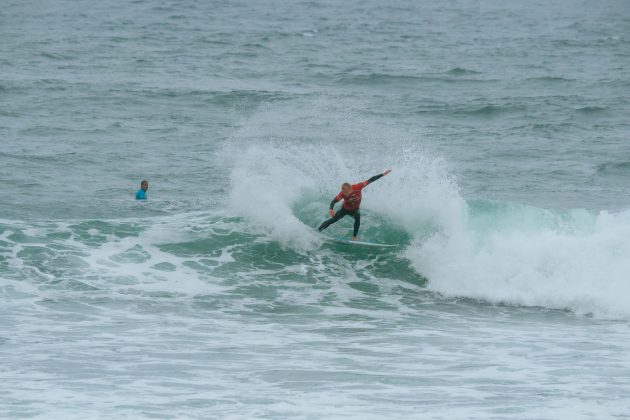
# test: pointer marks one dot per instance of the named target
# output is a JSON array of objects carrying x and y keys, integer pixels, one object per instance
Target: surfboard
[{"x": 346, "y": 241}]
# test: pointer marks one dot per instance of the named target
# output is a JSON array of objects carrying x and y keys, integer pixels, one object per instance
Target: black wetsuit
[
  {"x": 341, "y": 214},
  {"x": 353, "y": 209}
]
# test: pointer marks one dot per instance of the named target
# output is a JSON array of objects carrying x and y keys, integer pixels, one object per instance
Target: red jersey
[{"x": 352, "y": 201}]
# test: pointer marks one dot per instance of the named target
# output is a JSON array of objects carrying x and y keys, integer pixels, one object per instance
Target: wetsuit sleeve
[
  {"x": 374, "y": 178},
  {"x": 335, "y": 200},
  {"x": 365, "y": 183}
]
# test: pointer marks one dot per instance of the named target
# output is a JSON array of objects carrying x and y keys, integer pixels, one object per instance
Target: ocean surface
[{"x": 506, "y": 124}]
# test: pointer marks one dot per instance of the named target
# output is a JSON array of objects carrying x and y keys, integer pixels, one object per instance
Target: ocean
[{"x": 505, "y": 124}]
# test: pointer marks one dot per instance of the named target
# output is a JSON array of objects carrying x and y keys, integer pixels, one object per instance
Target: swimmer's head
[
  {"x": 346, "y": 188},
  {"x": 144, "y": 185}
]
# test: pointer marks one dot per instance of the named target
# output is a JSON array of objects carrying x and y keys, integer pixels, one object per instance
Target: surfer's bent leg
[
  {"x": 341, "y": 213},
  {"x": 357, "y": 221}
]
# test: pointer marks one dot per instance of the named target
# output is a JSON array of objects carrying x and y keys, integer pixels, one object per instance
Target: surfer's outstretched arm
[{"x": 375, "y": 177}]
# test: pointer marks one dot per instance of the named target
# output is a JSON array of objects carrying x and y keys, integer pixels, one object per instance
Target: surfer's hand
[
  {"x": 386, "y": 172},
  {"x": 354, "y": 238},
  {"x": 331, "y": 212}
]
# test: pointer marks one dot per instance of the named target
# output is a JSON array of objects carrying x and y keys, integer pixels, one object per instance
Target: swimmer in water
[{"x": 142, "y": 192}]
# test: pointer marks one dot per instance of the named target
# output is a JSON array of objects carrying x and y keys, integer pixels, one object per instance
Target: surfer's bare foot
[{"x": 354, "y": 238}]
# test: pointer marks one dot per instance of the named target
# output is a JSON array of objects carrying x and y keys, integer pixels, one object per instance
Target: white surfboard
[{"x": 346, "y": 241}]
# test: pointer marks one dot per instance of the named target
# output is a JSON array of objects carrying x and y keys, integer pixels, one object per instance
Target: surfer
[
  {"x": 142, "y": 192},
  {"x": 351, "y": 196}
]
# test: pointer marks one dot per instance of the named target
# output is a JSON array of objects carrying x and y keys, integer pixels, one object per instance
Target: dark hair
[
  {"x": 143, "y": 181},
  {"x": 346, "y": 184}
]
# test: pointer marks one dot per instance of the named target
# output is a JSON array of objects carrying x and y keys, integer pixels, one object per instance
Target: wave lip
[{"x": 522, "y": 255}]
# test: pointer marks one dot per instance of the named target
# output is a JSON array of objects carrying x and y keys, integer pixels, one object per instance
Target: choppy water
[{"x": 505, "y": 123}]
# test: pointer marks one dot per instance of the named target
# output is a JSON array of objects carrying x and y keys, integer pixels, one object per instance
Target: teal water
[{"x": 505, "y": 124}]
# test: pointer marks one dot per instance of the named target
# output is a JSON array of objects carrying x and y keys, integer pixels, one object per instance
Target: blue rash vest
[{"x": 141, "y": 194}]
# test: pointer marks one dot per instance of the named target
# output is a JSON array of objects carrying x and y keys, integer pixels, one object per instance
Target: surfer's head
[
  {"x": 346, "y": 188},
  {"x": 144, "y": 185}
]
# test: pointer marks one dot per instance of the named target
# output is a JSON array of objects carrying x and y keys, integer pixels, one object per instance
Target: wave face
[{"x": 498, "y": 252}]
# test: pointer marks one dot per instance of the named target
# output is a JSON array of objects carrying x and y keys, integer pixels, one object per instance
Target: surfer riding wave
[{"x": 351, "y": 196}]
